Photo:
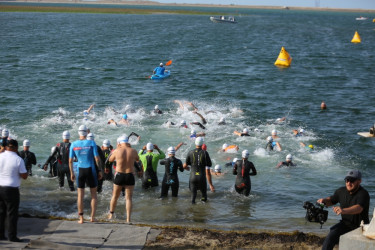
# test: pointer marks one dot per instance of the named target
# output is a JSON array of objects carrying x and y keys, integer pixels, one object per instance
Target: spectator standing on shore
[
  {"x": 12, "y": 169},
  {"x": 28, "y": 157}
]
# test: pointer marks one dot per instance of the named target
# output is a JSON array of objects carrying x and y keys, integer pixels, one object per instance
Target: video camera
[{"x": 315, "y": 214}]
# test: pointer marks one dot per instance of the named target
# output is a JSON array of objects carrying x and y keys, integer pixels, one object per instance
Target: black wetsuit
[
  {"x": 199, "y": 124},
  {"x": 29, "y": 158},
  {"x": 170, "y": 179},
  {"x": 102, "y": 159},
  {"x": 158, "y": 111},
  {"x": 243, "y": 134},
  {"x": 61, "y": 153},
  {"x": 243, "y": 169},
  {"x": 198, "y": 159},
  {"x": 52, "y": 162},
  {"x": 107, "y": 165},
  {"x": 269, "y": 146},
  {"x": 287, "y": 164}
]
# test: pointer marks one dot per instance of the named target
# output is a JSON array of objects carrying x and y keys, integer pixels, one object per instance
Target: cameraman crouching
[{"x": 354, "y": 205}]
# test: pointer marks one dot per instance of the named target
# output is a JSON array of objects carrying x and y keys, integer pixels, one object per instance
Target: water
[{"x": 54, "y": 66}]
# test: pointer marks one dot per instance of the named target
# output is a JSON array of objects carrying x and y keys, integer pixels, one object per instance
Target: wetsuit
[
  {"x": 199, "y": 124},
  {"x": 158, "y": 111},
  {"x": 85, "y": 151},
  {"x": 107, "y": 165},
  {"x": 243, "y": 169},
  {"x": 170, "y": 179},
  {"x": 52, "y": 162},
  {"x": 286, "y": 164},
  {"x": 102, "y": 159},
  {"x": 150, "y": 162},
  {"x": 159, "y": 70},
  {"x": 270, "y": 146},
  {"x": 199, "y": 160},
  {"x": 243, "y": 134},
  {"x": 29, "y": 158},
  {"x": 61, "y": 153}
]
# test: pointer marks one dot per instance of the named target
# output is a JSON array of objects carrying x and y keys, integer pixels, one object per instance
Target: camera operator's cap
[{"x": 354, "y": 174}]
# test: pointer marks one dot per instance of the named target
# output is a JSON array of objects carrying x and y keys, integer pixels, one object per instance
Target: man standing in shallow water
[{"x": 125, "y": 156}]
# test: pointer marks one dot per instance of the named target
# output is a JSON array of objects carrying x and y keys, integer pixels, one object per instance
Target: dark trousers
[
  {"x": 334, "y": 234},
  {"x": 62, "y": 172},
  {"x": 194, "y": 187},
  {"x": 165, "y": 189},
  {"x": 9, "y": 204}
]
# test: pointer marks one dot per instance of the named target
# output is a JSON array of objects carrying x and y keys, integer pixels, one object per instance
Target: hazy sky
[{"x": 351, "y": 4}]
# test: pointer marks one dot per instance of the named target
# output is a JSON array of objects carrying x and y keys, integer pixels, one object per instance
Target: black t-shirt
[{"x": 361, "y": 197}]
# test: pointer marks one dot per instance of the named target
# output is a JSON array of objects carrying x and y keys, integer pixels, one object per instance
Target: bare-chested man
[{"x": 125, "y": 156}]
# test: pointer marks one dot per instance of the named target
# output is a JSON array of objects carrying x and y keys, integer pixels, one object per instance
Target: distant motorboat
[
  {"x": 361, "y": 18},
  {"x": 223, "y": 19}
]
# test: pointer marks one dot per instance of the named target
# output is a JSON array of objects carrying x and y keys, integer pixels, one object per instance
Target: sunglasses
[{"x": 350, "y": 179}]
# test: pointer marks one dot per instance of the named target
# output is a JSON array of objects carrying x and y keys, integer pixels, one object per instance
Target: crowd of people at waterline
[{"x": 83, "y": 164}]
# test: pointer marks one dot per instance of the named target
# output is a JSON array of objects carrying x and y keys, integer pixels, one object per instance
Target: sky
[{"x": 346, "y": 4}]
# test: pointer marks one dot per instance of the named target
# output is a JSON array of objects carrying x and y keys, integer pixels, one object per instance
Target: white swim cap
[
  {"x": 26, "y": 143},
  {"x": 301, "y": 130},
  {"x": 192, "y": 132},
  {"x": 85, "y": 112},
  {"x": 199, "y": 141},
  {"x": 122, "y": 139},
  {"x": 161, "y": 64},
  {"x": 245, "y": 153},
  {"x": 82, "y": 130},
  {"x": 217, "y": 168},
  {"x": 5, "y": 132},
  {"x": 235, "y": 159},
  {"x": 106, "y": 143},
  {"x": 274, "y": 132},
  {"x": 53, "y": 149},
  {"x": 222, "y": 119},
  {"x": 171, "y": 151},
  {"x": 150, "y": 146},
  {"x": 289, "y": 157},
  {"x": 90, "y": 136},
  {"x": 66, "y": 135},
  {"x": 156, "y": 107},
  {"x": 183, "y": 123},
  {"x": 245, "y": 131},
  {"x": 224, "y": 146},
  {"x": 270, "y": 139}
]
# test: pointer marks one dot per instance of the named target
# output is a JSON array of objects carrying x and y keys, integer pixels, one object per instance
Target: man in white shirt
[{"x": 12, "y": 169}]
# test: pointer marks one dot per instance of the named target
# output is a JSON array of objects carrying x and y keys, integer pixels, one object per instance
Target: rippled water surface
[{"x": 54, "y": 66}]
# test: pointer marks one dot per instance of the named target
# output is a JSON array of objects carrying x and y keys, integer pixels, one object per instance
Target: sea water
[{"x": 54, "y": 66}]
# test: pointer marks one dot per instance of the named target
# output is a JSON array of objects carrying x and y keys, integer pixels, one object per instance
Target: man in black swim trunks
[
  {"x": 125, "y": 156},
  {"x": 200, "y": 163}
]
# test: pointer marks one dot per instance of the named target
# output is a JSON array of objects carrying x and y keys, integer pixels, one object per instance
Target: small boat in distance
[
  {"x": 223, "y": 19},
  {"x": 361, "y": 18}
]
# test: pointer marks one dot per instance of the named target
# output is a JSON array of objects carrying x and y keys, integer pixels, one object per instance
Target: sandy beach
[{"x": 155, "y": 3}]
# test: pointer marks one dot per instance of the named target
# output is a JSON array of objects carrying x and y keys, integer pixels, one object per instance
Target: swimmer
[
  {"x": 222, "y": 121},
  {"x": 157, "y": 110},
  {"x": 199, "y": 124},
  {"x": 28, "y": 157},
  {"x": 229, "y": 148},
  {"x": 271, "y": 145},
  {"x": 309, "y": 147},
  {"x": 323, "y": 105},
  {"x": 111, "y": 121},
  {"x": 287, "y": 163},
  {"x": 107, "y": 150},
  {"x": 217, "y": 171},
  {"x": 243, "y": 169},
  {"x": 282, "y": 119},
  {"x": 183, "y": 124},
  {"x": 150, "y": 162},
  {"x": 87, "y": 111},
  {"x": 170, "y": 179},
  {"x": 125, "y": 157},
  {"x": 274, "y": 134},
  {"x": 200, "y": 173},
  {"x": 136, "y": 135},
  {"x": 124, "y": 120},
  {"x": 4, "y": 138},
  {"x": 194, "y": 134},
  {"x": 231, "y": 164},
  {"x": 245, "y": 132},
  {"x": 201, "y": 116},
  {"x": 298, "y": 133}
]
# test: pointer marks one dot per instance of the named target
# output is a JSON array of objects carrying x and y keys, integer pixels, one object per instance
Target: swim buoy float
[
  {"x": 356, "y": 38},
  {"x": 284, "y": 58}
]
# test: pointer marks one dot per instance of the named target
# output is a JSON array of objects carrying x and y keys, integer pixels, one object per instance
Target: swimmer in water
[
  {"x": 231, "y": 164},
  {"x": 323, "y": 105},
  {"x": 170, "y": 179},
  {"x": 87, "y": 111},
  {"x": 243, "y": 169},
  {"x": 124, "y": 120},
  {"x": 194, "y": 134},
  {"x": 287, "y": 163},
  {"x": 201, "y": 116},
  {"x": 229, "y": 148},
  {"x": 298, "y": 133},
  {"x": 245, "y": 132},
  {"x": 310, "y": 147},
  {"x": 217, "y": 171},
  {"x": 200, "y": 173},
  {"x": 271, "y": 144},
  {"x": 222, "y": 121},
  {"x": 274, "y": 134},
  {"x": 157, "y": 110}
]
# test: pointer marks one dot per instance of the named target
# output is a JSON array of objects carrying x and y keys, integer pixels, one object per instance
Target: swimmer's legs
[
  {"x": 128, "y": 198},
  {"x": 80, "y": 196},
  {"x": 94, "y": 200},
  {"x": 115, "y": 195}
]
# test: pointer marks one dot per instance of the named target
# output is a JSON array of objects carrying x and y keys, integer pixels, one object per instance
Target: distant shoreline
[{"x": 154, "y": 3}]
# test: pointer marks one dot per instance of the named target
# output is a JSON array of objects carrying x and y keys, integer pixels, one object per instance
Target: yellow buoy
[
  {"x": 284, "y": 58},
  {"x": 356, "y": 38},
  {"x": 373, "y": 20}
]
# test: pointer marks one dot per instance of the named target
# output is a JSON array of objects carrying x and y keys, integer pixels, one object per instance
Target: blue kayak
[{"x": 167, "y": 73}]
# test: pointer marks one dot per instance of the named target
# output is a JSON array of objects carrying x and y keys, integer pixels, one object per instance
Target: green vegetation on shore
[{"x": 62, "y": 9}]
